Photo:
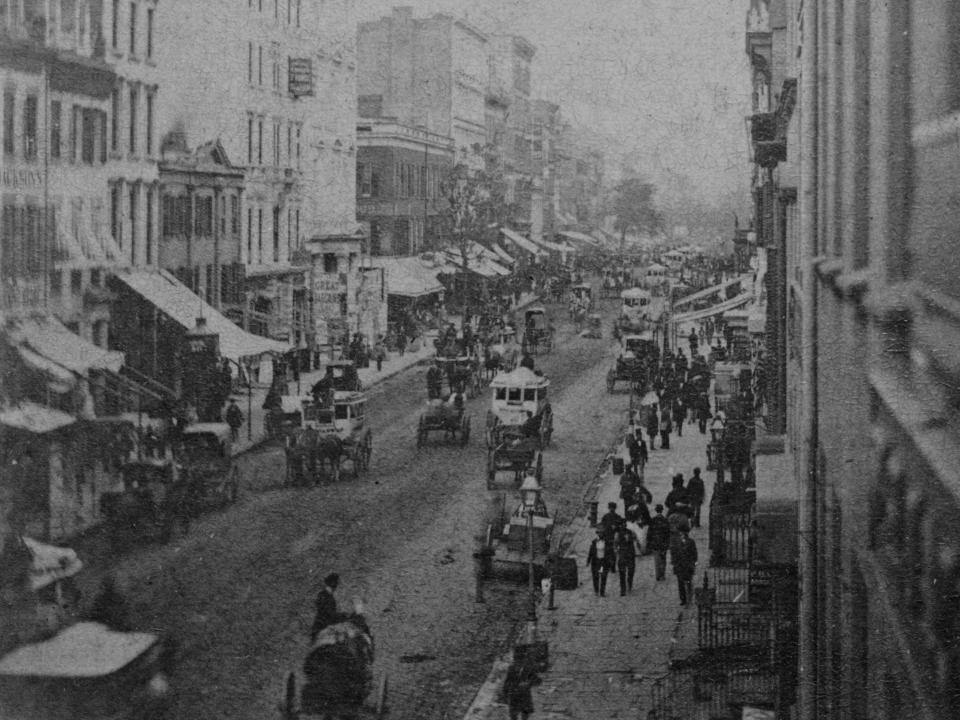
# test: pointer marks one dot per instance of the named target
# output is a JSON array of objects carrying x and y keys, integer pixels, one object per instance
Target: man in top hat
[{"x": 326, "y": 604}]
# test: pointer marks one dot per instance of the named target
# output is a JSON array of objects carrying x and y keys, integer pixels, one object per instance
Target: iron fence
[{"x": 731, "y": 534}]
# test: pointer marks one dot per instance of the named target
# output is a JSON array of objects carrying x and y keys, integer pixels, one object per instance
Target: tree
[
  {"x": 476, "y": 207},
  {"x": 634, "y": 208}
]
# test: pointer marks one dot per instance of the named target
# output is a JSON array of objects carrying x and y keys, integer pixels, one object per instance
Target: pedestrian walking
[
  {"x": 666, "y": 427},
  {"x": 679, "y": 497},
  {"x": 658, "y": 542},
  {"x": 601, "y": 559},
  {"x": 633, "y": 447},
  {"x": 678, "y": 413},
  {"x": 611, "y": 522},
  {"x": 379, "y": 353},
  {"x": 629, "y": 482},
  {"x": 401, "y": 343},
  {"x": 626, "y": 551},
  {"x": 703, "y": 413},
  {"x": 644, "y": 454},
  {"x": 518, "y": 685},
  {"x": 696, "y": 492},
  {"x": 653, "y": 427},
  {"x": 327, "y": 612},
  {"x": 234, "y": 419},
  {"x": 684, "y": 559}
]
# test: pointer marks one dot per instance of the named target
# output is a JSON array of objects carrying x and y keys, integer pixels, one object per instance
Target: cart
[
  {"x": 636, "y": 311},
  {"x": 88, "y": 672},
  {"x": 331, "y": 435},
  {"x": 506, "y": 545},
  {"x": 444, "y": 417},
  {"x": 462, "y": 374},
  {"x": 581, "y": 295},
  {"x": 515, "y": 454},
  {"x": 154, "y": 501},
  {"x": 594, "y": 327},
  {"x": 538, "y": 331},
  {"x": 637, "y": 353},
  {"x": 206, "y": 454}
]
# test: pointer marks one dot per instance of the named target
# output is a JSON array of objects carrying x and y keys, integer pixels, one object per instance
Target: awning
[
  {"x": 520, "y": 241},
  {"x": 60, "y": 380},
  {"x": 480, "y": 264},
  {"x": 580, "y": 237},
  {"x": 34, "y": 418},
  {"x": 555, "y": 247},
  {"x": 175, "y": 300},
  {"x": 409, "y": 276},
  {"x": 502, "y": 254},
  {"x": 717, "y": 309},
  {"x": 46, "y": 336}
]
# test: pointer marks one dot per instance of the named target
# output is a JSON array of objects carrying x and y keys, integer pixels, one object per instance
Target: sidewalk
[
  {"x": 252, "y": 406},
  {"x": 606, "y": 652}
]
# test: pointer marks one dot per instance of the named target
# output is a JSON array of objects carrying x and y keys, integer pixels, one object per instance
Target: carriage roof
[
  {"x": 535, "y": 310},
  {"x": 520, "y": 378},
  {"x": 638, "y": 337},
  {"x": 348, "y": 397},
  {"x": 582, "y": 286},
  {"x": 634, "y": 293}
]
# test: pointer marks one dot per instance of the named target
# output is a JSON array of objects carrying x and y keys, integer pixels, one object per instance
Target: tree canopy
[{"x": 634, "y": 208}]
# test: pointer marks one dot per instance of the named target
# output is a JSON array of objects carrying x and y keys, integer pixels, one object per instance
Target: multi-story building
[
  {"x": 545, "y": 200},
  {"x": 401, "y": 172},
  {"x": 426, "y": 72},
  {"x": 129, "y": 37},
  {"x": 273, "y": 81},
  {"x": 511, "y": 131},
  {"x": 579, "y": 173}
]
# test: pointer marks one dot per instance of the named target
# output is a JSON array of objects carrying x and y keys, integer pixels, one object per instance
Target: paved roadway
[{"x": 237, "y": 591}]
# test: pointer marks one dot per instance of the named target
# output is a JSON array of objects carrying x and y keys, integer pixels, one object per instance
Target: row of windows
[
  {"x": 125, "y": 219},
  {"x": 286, "y": 136},
  {"x": 256, "y": 226},
  {"x": 181, "y": 217},
  {"x": 416, "y": 181},
  {"x": 291, "y": 7},
  {"x": 22, "y": 241},
  {"x": 202, "y": 279},
  {"x": 137, "y": 39},
  {"x": 139, "y": 135}
]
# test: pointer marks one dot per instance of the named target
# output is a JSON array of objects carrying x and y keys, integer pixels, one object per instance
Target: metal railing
[{"x": 731, "y": 534}]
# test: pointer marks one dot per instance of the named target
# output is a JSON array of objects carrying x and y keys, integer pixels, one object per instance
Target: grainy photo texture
[{"x": 479, "y": 359}]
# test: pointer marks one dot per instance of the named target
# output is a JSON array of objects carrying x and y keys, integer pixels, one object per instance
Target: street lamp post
[{"x": 530, "y": 493}]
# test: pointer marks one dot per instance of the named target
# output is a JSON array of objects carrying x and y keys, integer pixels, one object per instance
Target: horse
[{"x": 327, "y": 449}]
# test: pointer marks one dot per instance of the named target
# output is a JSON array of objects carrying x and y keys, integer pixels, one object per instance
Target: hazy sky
[{"x": 668, "y": 79}]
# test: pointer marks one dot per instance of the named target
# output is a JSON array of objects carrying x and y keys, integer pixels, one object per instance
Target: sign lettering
[
  {"x": 21, "y": 178},
  {"x": 300, "y": 77}
]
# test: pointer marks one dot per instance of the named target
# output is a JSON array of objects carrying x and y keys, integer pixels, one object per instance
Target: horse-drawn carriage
[
  {"x": 205, "y": 452},
  {"x": 462, "y": 373},
  {"x": 581, "y": 295},
  {"x": 637, "y": 313},
  {"x": 331, "y": 435},
  {"x": 337, "y": 679},
  {"x": 634, "y": 360},
  {"x": 537, "y": 331},
  {"x": 447, "y": 417},
  {"x": 155, "y": 499},
  {"x": 339, "y": 375},
  {"x": 519, "y": 423},
  {"x": 503, "y": 351}
]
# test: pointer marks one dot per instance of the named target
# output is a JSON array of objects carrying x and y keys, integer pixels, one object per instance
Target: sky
[{"x": 665, "y": 80}]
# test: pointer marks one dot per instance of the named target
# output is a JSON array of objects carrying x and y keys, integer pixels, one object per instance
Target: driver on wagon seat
[{"x": 531, "y": 426}]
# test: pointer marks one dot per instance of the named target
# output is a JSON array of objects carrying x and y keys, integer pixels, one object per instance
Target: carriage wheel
[
  {"x": 357, "y": 457},
  {"x": 491, "y": 467},
  {"x": 539, "y": 467},
  {"x": 233, "y": 491},
  {"x": 380, "y": 706},
  {"x": 464, "y": 431},
  {"x": 290, "y": 707},
  {"x": 367, "y": 451},
  {"x": 611, "y": 380}
]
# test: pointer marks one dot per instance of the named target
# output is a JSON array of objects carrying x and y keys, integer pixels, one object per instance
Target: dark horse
[{"x": 308, "y": 452}]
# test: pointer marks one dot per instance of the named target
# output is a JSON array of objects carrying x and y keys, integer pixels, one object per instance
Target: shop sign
[
  {"x": 21, "y": 178},
  {"x": 300, "y": 77}
]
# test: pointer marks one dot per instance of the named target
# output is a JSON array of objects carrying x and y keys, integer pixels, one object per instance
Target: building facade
[
  {"x": 426, "y": 72},
  {"x": 401, "y": 173},
  {"x": 579, "y": 170},
  {"x": 282, "y": 104}
]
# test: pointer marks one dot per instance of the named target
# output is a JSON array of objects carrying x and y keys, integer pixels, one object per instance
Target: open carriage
[
  {"x": 154, "y": 502},
  {"x": 638, "y": 351},
  {"x": 503, "y": 351},
  {"x": 206, "y": 453},
  {"x": 331, "y": 435},
  {"x": 461, "y": 374},
  {"x": 447, "y": 417},
  {"x": 537, "y": 331},
  {"x": 337, "y": 679},
  {"x": 582, "y": 295}
]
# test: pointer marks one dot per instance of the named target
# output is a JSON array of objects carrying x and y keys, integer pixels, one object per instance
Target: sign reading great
[{"x": 300, "y": 77}]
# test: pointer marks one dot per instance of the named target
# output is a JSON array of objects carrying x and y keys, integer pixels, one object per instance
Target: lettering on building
[
  {"x": 21, "y": 178},
  {"x": 300, "y": 77}
]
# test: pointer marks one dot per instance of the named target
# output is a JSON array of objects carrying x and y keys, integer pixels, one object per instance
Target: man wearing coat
[
  {"x": 626, "y": 549},
  {"x": 683, "y": 555},
  {"x": 696, "y": 492},
  {"x": 326, "y": 605},
  {"x": 602, "y": 561}
]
